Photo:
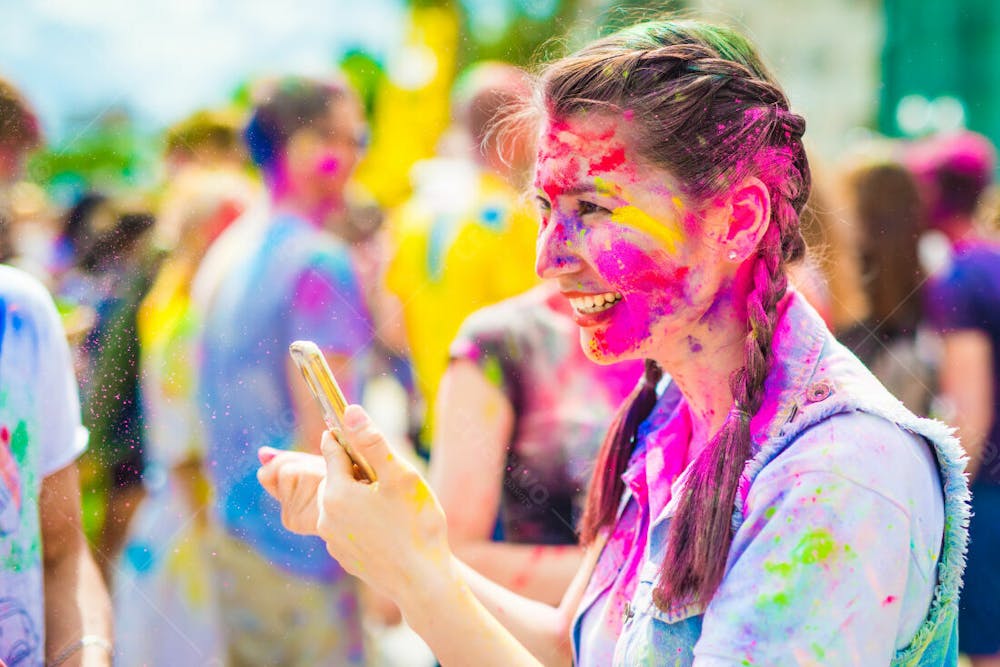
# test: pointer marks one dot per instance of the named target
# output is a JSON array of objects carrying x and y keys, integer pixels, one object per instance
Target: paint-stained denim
[{"x": 817, "y": 396}]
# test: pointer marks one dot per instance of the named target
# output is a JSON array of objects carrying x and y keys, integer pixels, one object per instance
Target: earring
[{"x": 732, "y": 255}]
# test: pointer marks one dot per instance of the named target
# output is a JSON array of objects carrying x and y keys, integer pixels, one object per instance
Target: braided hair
[{"x": 703, "y": 107}]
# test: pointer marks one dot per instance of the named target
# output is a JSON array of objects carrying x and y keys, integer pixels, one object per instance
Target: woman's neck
[{"x": 701, "y": 364}]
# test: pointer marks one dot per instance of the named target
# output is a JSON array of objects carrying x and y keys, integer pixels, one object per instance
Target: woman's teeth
[{"x": 595, "y": 303}]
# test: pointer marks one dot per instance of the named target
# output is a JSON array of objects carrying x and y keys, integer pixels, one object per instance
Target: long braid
[
  {"x": 700, "y": 532},
  {"x": 607, "y": 487}
]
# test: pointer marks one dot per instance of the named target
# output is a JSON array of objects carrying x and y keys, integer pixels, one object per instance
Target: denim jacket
[{"x": 817, "y": 396}]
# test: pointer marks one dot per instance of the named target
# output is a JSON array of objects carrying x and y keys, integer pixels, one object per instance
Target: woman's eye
[
  {"x": 544, "y": 208},
  {"x": 586, "y": 208}
]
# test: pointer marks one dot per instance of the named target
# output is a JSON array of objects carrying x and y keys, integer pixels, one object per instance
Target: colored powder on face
[
  {"x": 652, "y": 291},
  {"x": 565, "y": 143},
  {"x": 614, "y": 158},
  {"x": 606, "y": 188},
  {"x": 328, "y": 166},
  {"x": 562, "y": 179},
  {"x": 641, "y": 221}
]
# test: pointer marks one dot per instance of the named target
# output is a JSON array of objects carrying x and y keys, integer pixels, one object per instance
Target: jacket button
[{"x": 818, "y": 391}]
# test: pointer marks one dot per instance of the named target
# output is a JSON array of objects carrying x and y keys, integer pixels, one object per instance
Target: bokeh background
[{"x": 108, "y": 75}]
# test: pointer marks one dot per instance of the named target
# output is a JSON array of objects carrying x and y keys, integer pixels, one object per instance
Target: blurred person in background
[
  {"x": 76, "y": 234},
  {"x": 885, "y": 204},
  {"x": 962, "y": 300},
  {"x": 282, "y": 599},
  {"x": 521, "y": 413},
  {"x": 211, "y": 141},
  {"x": 24, "y": 233},
  {"x": 208, "y": 138},
  {"x": 830, "y": 275},
  {"x": 54, "y": 608},
  {"x": 114, "y": 267},
  {"x": 466, "y": 239},
  {"x": 164, "y": 573}
]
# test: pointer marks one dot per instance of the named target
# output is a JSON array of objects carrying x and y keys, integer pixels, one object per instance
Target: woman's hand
[{"x": 391, "y": 533}]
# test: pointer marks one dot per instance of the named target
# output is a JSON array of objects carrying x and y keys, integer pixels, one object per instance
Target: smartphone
[{"x": 312, "y": 364}]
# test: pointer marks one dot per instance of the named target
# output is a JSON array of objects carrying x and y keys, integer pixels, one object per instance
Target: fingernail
[
  {"x": 355, "y": 418},
  {"x": 265, "y": 454}
]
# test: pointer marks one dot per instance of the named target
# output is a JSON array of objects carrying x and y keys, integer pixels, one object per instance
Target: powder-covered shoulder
[{"x": 867, "y": 450}]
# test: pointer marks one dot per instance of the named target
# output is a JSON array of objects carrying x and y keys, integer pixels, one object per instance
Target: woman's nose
[{"x": 555, "y": 255}]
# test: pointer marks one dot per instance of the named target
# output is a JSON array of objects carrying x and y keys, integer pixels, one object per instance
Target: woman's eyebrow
[{"x": 581, "y": 189}]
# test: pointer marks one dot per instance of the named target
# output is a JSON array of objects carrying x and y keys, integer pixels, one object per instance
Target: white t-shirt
[{"x": 40, "y": 433}]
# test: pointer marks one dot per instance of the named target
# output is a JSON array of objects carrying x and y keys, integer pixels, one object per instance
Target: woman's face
[{"x": 622, "y": 241}]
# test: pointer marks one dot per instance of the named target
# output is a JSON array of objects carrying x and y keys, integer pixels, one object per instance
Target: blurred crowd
[{"x": 179, "y": 303}]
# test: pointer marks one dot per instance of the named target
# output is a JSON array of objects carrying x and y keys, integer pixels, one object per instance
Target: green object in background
[
  {"x": 937, "y": 53},
  {"x": 109, "y": 153}
]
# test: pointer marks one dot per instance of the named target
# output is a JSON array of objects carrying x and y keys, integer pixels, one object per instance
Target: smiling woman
[{"x": 755, "y": 508}]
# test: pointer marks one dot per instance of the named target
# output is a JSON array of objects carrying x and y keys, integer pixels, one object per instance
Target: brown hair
[
  {"x": 889, "y": 214},
  {"x": 18, "y": 124},
  {"x": 705, "y": 109},
  {"x": 831, "y": 239}
]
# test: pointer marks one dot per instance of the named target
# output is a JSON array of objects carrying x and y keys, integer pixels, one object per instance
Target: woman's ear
[{"x": 749, "y": 217}]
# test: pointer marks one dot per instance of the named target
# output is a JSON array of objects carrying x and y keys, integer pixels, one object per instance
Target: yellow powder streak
[
  {"x": 421, "y": 495},
  {"x": 641, "y": 221},
  {"x": 606, "y": 188}
]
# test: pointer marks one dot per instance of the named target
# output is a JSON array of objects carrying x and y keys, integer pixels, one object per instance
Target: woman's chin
[{"x": 596, "y": 346}]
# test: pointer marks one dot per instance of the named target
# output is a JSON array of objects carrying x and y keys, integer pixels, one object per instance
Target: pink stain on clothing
[
  {"x": 8, "y": 468},
  {"x": 650, "y": 479}
]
